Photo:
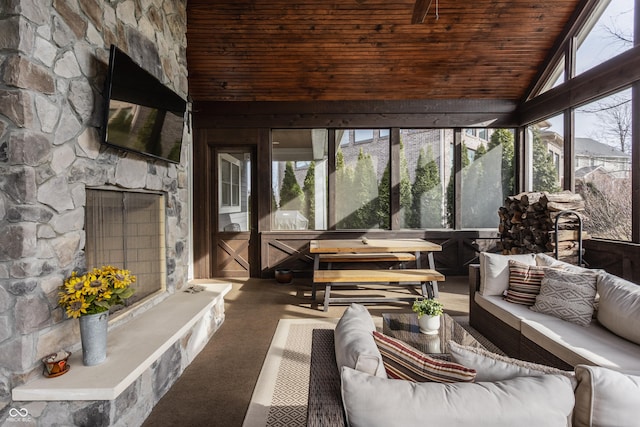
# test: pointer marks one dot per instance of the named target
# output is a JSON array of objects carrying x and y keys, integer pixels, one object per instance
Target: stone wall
[{"x": 54, "y": 55}]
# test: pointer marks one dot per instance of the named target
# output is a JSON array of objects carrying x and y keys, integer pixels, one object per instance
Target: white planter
[{"x": 429, "y": 324}]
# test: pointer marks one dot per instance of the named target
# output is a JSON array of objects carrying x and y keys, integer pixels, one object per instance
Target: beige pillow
[
  {"x": 494, "y": 367},
  {"x": 567, "y": 296},
  {"x": 619, "y": 306},
  {"x": 523, "y": 402},
  {"x": 606, "y": 398},
  {"x": 494, "y": 271}
]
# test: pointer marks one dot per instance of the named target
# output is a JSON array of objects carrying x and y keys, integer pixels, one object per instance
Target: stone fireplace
[
  {"x": 126, "y": 229},
  {"x": 52, "y": 166}
]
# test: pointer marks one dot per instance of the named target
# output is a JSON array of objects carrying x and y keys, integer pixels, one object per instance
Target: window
[
  {"x": 603, "y": 165},
  {"x": 299, "y": 180},
  {"x": 362, "y": 135},
  {"x": 362, "y": 182},
  {"x": 424, "y": 165},
  {"x": 487, "y": 178},
  {"x": 611, "y": 35},
  {"x": 545, "y": 149},
  {"x": 229, "y": 183},
  {"x": 384, "y": 133}
]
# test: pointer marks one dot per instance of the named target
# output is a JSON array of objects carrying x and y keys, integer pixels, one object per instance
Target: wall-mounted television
[{"x": 141, "y": 114}]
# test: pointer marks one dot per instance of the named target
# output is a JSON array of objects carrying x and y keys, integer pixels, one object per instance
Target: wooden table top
[{"x": 372, "y": 245}]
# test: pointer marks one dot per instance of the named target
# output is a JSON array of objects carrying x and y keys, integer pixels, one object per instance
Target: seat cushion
[
  {"x": 590, "y": 345},
  {"x": 525, "y": 401},
  {"x": 606, "y": 398},
  {"x": 354, "y": 344}
]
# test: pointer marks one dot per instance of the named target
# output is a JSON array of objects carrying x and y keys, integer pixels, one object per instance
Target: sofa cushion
[
  {"x": 591, "y": 345},
  {"x": 568, "y": 296},
  {"x": 619, "y": 306},
  {"x": 524, "y": 282},
  {"x": 494, "y": 271},
  {"x": 511, "y": 314},
  {"x": 494, "y": 367},
  {"x": 606, "y": 398},
  {"x": 404, "y": 362},
  {"x": 525, "y": 401},
  {"x": 354, "y": 344}
]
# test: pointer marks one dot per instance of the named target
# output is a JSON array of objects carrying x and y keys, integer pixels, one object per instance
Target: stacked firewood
[{"x": 527, "y": 224}]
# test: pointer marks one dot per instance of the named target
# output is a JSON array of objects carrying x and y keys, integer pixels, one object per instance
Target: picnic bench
[{"x": 365, "y": 250}]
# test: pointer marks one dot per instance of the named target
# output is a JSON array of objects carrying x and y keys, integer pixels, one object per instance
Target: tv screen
[{"x": 141, "y": 114}]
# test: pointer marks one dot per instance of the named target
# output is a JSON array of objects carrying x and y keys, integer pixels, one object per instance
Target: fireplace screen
[{"x": 126, "y": 229}]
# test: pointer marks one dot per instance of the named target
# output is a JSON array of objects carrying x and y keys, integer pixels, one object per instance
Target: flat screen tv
[{"x": 141, "y": 114}]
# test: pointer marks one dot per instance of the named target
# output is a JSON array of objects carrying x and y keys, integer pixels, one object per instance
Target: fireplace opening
[{"x": 126, "y": 229}]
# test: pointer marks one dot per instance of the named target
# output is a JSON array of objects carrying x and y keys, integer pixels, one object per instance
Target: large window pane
[
  {"x": 487, "y": 176},
  {"x": 362, "y": 180},
  {"x": 299, "y": 181},
  {"x": 424, "y": 162},
  {"x": 611, "y": 35},
  {"x": 603, "y": 165},
  {"x": 545, "y": 151}
]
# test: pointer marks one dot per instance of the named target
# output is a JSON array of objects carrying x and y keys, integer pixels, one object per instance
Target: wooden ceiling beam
[{"x": 420, "y": 10}]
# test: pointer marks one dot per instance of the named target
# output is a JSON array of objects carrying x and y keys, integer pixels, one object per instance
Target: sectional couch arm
[{"x": 474, "y": 279}]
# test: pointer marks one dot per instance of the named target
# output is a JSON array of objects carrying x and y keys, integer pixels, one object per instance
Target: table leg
[
  {"x": 327, "y": 293},
  {"x": 434, "y": 283},
  {"x": 316, "y": 265}
]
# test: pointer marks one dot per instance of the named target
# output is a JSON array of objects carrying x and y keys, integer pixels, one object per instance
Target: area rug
[{"x": 280, "y": 396}]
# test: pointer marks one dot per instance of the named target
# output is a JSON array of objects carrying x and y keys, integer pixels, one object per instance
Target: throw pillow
[
  {"x": 494, "y": 367},
  {"x": 404, "y": 362},
  {"x": 568, "y": 296},
  {"x": 524, "y": 402},
  {"x": 524, "y": 283},
  {"x": 619, "y": 306},
  {"x": 494, "y": 271},
  {"x": 354, "y": 345},
  {"x": 606, "y": 398}
]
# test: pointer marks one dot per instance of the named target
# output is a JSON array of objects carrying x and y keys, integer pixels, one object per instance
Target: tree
[
  {"x": 504, "y": 138},
  {"x": 365, "y": 193},
  {"x": 545, "y": 174},
  {"x": 309, "y": 190},
  {"x": 383, "y": 207},
  {"x": 616, "y": 120},
  {"x": 405, "y": 188},
  {"x": 426, "y": 199},
  {"x": 607, "y": 207},
  {"x": 343, "y": 191},
  {"x": 291, "y": 196},
  {"x": 451, "y": 187}
]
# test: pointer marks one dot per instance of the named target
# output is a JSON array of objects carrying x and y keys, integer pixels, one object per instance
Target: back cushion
[
  {"x": 606, "y": 398},
  {"x": 354, "y": 342},
  {"x": 369, "y": 401},
  {"x": 494, "y": 271},
  {"x": 619, "y": 306}
]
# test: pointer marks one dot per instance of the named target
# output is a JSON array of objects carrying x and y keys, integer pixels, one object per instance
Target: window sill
[{"x": 131, "y": 349}]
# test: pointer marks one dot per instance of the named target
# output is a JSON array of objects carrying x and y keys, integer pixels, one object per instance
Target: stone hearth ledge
[{"x": 131, "y": 349}]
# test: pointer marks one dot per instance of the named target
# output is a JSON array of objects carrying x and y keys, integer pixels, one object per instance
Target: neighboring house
[{"x": 590, "y": 152}]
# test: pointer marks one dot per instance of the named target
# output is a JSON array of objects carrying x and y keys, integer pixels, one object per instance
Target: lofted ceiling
[{"x": 367, "y": 50}]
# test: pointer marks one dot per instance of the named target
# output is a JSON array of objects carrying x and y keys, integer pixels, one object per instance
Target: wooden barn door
[{"x": 235, "y": 221}]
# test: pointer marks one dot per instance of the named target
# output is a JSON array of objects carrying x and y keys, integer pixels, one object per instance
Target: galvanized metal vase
[{"x": 93, "y": 334}]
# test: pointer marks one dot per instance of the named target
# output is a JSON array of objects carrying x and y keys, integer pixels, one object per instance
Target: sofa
[
  {"x": 352, "y": 382},
  {"x": 504, "y": 291}
]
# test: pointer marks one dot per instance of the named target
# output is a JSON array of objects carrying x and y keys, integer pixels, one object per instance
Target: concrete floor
[{"x": 215, "y": 390}]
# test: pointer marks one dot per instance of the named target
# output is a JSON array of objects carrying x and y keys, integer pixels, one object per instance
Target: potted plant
[
  {"x": 429, "y": 311},
  {"x": 89, "y": 297}
]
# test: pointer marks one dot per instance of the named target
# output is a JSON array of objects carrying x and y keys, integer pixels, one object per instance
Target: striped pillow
[
  {"x": 524, "y": 283},
  {"x": 403, "y": 362}
]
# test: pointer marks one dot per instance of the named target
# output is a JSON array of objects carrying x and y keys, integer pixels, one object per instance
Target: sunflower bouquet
[{"x": 95, "y": 291}]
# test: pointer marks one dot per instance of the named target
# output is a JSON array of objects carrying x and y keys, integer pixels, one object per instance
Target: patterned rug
[{"x": 280, "y": 396}]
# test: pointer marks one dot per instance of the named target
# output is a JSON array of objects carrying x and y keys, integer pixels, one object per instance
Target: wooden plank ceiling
[{"x": 367, "y": 50}]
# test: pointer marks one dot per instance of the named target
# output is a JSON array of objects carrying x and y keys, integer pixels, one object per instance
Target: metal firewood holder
[{"x": 564, "y": 213}]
